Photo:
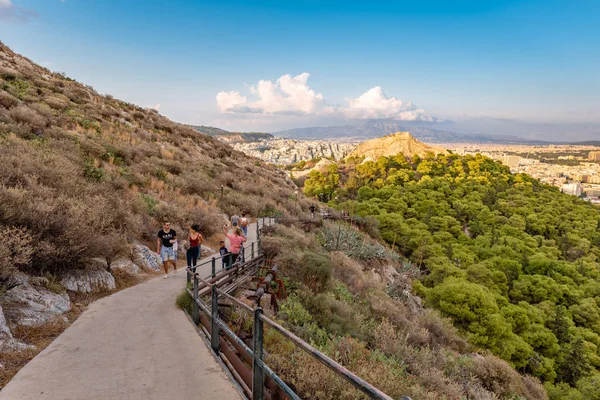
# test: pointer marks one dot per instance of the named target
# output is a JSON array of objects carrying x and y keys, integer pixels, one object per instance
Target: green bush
[
  {"x": 185, "y": 301},
  {"x": 316, "y": 271}
]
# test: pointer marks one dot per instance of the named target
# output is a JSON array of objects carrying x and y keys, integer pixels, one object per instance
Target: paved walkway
[{"x": 134, "y": 344}]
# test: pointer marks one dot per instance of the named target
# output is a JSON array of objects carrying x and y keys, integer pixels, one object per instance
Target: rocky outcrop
[
  {"x": 7, "y": 341},
  {"x": 145, "y": 258},
  {"x": 125, "y": 265},
  {"x": 206, "y": 251},
  {"x": 390, "y": 145},
  {"x": 32, "y": 306},
  {"x": 88, "y": 281}
]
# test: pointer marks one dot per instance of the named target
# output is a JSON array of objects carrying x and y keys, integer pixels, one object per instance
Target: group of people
[{"x": 166, "y": 244}]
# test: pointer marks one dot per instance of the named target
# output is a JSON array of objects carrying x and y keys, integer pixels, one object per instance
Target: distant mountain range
[
  {"x": 371, "y": 129},
  {"x": 376, "y": 128}
]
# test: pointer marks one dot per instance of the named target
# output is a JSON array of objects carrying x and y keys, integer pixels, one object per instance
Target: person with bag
[{"x": 193, "y": 245}]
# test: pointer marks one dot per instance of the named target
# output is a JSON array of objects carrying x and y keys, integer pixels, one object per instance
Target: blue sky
[{"x": 327, "y": 62}]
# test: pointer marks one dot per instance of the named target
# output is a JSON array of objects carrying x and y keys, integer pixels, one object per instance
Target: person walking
[
  {"x": 164, "y": 247},
  {"x": 236, "y": 240},
  {"x": 225, "y": 264},
  {"x": 235, "y": 221},
  {"x": 195, "y": 240},
  {"x": 312, "y": 210},
  {"x": 244, "y": 221}
]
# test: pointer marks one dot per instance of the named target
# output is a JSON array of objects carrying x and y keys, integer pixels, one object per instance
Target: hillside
[
  {"x": 390, "y": 145},
  {"x": 84, "y": 177},
  {"x": 514, "y": 263}
]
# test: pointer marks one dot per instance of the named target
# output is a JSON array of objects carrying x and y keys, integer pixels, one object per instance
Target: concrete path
[{"x": 134, "y": 344}]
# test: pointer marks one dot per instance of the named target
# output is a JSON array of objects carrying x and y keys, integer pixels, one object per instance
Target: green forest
[{"x": 514, "y": 263}]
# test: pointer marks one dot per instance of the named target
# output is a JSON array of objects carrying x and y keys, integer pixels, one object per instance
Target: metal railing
[{"x": 261, "y": 372}]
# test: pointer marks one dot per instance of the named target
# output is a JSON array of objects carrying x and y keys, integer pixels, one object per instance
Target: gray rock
[
  {"x": 32, "y": 306},
  {"x": 125, "y": 265},
  {"x": 88, "y": 281},
  {"x": 145, "y": 258},
  {"x": 206, "y": 251},
  {"x": 7, "y": 341}
]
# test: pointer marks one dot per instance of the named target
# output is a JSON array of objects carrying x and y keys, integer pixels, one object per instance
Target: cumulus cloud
[
  {"x": 11, "y": 12},
  {"x": 156, "y": 107},
  {"x": 287, "y": 95},
  {"x": 291, "y": 95},
  {"x": 374, "y": 104}
]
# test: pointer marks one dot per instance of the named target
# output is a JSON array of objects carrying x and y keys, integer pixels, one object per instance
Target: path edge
[{"x": 236, "y": 385}]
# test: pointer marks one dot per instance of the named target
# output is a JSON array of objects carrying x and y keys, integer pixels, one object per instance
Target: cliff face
[{"x": 390, "y": 145}]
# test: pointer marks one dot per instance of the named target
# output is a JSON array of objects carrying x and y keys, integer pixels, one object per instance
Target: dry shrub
[
  {"x": 312, "y": 380},
  {"x": 42, "y": 109},
  {"x": 15, "y": 252},
  {"x": 497, "y": 376},
  {"x": 442, "y": 334},
  {"x": 56, "y": 101},
  {"x": 350, "y": 272},
  {"x": 7, "y": 100},
  {"x": 77, "y": 94},
  {"x": 58, "y": 207},
  {"x": 25, "y": 115},
  {"x": 8, "y": 74}
]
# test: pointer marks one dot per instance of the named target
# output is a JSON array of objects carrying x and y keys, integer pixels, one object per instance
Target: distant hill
[
  {"x": 377, "y": 128},
  {"x": 399, "y": 142},
  {"x": 232, "y": 137}
]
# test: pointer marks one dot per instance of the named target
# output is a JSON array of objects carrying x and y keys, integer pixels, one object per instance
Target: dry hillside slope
[
  {"x": 390, "y": 145},
  {"x": 83, "y": 175}
]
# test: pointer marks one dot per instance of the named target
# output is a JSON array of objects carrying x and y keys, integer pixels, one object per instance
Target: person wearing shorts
[
  {"x": 164, "y": 247},
  {"x": 244, "y": 223}
]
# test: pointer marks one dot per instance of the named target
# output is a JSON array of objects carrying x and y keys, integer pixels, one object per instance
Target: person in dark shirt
[
  {"x": 164, "y": 247},
  {"x": 224, "y": 255},
  {"x": 312, "y": 210}
]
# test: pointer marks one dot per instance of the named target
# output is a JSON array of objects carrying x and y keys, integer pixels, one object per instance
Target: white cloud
[
  {"x": 287, "y": 95},
  {"x": 156, "y": 107},
  {"x": 10, "y": 12},
  {"x": 374, "y": 104},
  {"x": 292, "y": 96}
]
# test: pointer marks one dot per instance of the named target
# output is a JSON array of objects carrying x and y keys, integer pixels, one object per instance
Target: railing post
[
  {"x": 195, "y": 307},
  {"x": 215, "y": 335},
  {"x": 252, "y": 251},
  {"x": 213, "y": 266},
  {"x": 188, "y": 275},
  {"x": 258, "y": 376},
  {"x": 243, "y": 254}
]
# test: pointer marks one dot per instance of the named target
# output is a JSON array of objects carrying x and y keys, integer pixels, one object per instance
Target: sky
[{"x": 498, "y": 67}]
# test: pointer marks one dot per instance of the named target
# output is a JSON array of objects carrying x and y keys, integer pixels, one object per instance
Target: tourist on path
[
  {"x": 244, "y": 221},
  {"x": 235, "y": 221},
  {"x": 195, "y": 239},
  {"x": 164, "y": 247},
  {"x": 224, "y": 255},
  {"x": 236, "y": 241}
]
